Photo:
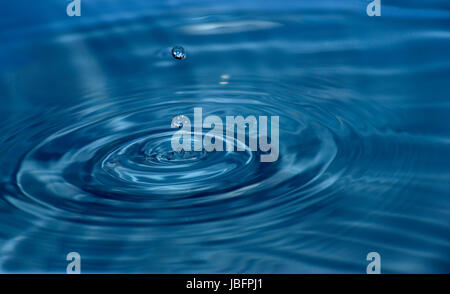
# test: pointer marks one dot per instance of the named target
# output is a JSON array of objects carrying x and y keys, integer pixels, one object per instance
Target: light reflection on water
[{"x": 87, "y": 165}]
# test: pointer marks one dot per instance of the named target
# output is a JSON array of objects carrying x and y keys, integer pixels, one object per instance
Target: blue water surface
[{"x": 87, "y": 165}]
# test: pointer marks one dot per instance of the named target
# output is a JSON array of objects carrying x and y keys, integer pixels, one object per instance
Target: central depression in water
[{"x": 88, "y": 165}]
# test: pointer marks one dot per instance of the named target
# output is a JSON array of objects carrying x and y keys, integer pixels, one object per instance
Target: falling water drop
[
  {"x": 178, "y": 52},
  {"x": 179, "y": 121}
]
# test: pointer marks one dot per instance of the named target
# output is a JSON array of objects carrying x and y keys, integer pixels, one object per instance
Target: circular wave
[
  {"x": 91, "y": 168},
  {"x": 118, "y": 166}
]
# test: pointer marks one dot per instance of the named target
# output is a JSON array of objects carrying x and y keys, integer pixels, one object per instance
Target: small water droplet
[
  {"x": 178, "y": 52},
  {"x": 179, "y": 121},
  {"x": 224, "y": 78}
]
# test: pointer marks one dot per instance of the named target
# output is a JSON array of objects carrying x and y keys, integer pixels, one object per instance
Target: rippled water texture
[{"x": 87, "y": 166}]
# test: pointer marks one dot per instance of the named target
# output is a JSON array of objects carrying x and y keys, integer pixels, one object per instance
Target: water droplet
[
  {"x": 224, "y": 78},
  {"x": 178, "y": 52},
  {"x": 179, "y": 121}
]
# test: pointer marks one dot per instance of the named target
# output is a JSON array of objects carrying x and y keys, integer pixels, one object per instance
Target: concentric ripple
[
  {"x": 121, "y": 166},
  {"x": 88, "y": 167}
]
